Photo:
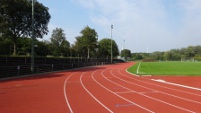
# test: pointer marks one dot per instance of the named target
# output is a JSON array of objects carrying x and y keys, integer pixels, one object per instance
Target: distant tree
[
  {"x": 16, "y": 19},
  {"x": 191, "y": 51},
  {"x": 157, "y": 55},
  {"x": 197, "y": 50},
  {"x": 104, "y": 48},
  {"x": 126, "y": 53},
  {"x": 60, "y": 45},
  {"x": 138, "y": 57},
  {"x": 86, "y": 44}
]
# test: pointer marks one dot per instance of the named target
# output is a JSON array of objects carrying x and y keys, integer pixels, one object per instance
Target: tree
[
  {"x": 24, "y": 46},
  {"x": 6, "y": 44},
  {"x": 86, "y": 43},
  {"x": 137, "y": 56},
  {"x": 157, "y": 55},
  {"x": 58, "y": 40},
  {"x": 16, "y": 19},
  {"x": 41, "y": 48},
  {"x": 126, "y": 53},
  {"x": 191, "y": 51},
  {"x": 104, "y": 48}
]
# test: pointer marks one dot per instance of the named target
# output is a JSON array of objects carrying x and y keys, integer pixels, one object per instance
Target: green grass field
[{"x": 167, "y": 68}]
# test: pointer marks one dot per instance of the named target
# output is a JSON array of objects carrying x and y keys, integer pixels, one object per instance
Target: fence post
[
  {"x": 38, "y": 69},
  {"x": 18, "y": 68},
  {"x": 52, "y": 67}
]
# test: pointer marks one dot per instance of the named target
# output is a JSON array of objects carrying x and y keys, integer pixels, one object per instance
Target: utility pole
[
  {"x": 111, "y": 43},
  {"x": 33, "y": 37}
]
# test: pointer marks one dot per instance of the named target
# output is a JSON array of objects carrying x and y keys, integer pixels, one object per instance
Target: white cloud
[
  {"x": 190, "y": 31},
  {"x": 139, "y": 22},
  {"x": 161, "y": 24}
]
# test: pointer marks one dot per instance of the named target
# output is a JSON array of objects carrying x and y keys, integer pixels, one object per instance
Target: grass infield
[{"x": 167, "y": 68}]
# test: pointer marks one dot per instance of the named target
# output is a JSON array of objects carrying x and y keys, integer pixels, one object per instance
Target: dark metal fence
[{"x": 17, "y": 66}]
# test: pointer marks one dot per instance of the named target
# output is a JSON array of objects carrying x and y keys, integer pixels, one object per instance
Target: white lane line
[
  {"x": 150, "y": 97},
  {"x": 130, "y": 72},
  {"x": 123, "y": 92},
  {"x": 138, "y": 68},
  {"x": 119, "y": 95},
  {"x": 124, "y": 105},
  {"x": 180, "y": 85},
  {"x": 65, "y": 95},
  {"x": 157, "y": 90},
  {"x": 92, "y": 94},
  {"x": 158, "y": 85}
]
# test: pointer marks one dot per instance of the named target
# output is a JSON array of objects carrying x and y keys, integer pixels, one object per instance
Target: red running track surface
[{"x": 100, "y": 89}]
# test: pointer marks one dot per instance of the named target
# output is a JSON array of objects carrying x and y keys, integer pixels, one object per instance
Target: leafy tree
[
  {"x": 49, "y": 48},
  {"x": 41, "y": 48},
  {"x": 197, "y": 50},
  {"x": 125, "y": 53},
  {"x": 5, "y": 46},
  {"x": 104, "y": 48},
  {"x": 167, "y": 55},
  {"x": 73, "y": 50},
  {"x": 16, "y": 19},
  {"x": 86, "y": 44},
  {"x": 157, "y": 55},
  {"x": 58, "y": 40},
  {"x": 138, "y": 57},
  {"x": 78, "y": 49},
  {"x": 24, "y": 46},
  {"x": 190, "y": 51}
]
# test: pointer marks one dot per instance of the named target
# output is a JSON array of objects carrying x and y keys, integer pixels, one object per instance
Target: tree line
[
  {"x": 16, "y": 32},
  {"x": 86, "y": 45},
  {"x": 190, "y": 53}
]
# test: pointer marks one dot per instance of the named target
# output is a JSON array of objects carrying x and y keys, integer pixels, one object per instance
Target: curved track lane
[{"x": 100, "y": 89}]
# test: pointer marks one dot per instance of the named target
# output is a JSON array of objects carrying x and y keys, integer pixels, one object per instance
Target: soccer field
[{"x": 166, "y": 68}]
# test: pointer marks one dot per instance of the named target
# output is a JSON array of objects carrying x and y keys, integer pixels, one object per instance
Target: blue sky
[{"x": 160, "y": 25}]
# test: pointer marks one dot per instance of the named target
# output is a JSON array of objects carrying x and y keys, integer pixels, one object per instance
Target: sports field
[{"x": 167, "y": 68}]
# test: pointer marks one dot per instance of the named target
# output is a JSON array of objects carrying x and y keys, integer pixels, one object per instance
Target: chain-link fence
[{"x": 17, "y": 66}]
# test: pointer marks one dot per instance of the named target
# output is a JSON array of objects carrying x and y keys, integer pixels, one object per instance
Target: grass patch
[{"x": 167, "y": 68}]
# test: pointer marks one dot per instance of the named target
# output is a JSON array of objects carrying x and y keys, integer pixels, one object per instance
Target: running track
[{"x": 100, "y": 89}]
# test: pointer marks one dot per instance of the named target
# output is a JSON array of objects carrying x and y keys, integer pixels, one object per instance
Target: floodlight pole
[
  {"x": 111, "y": 43},
  {"x": 33, "y": 37},
  {"x": 124, "y": 51}
]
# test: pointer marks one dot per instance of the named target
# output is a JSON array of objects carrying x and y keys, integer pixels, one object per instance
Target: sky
[{"x": 138, "y": 25}]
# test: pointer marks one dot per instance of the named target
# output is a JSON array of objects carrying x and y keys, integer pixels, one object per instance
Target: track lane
[
  {"x": 195, "y": 94},
  {"x": 36, "y": 94},
  {"x": 148, "y": 80},
  {"x": 148, "y": 99},
  {"x": 108, "y": 97},
  {"x": 177, "y": 99},
  {"x": 78, "y": 98},
  {"x": 89, "y": 90},
  {"x": 165, "y": 92}
]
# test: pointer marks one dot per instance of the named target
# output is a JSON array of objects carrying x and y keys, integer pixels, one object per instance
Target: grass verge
[{"x": 167, "y": 68}]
